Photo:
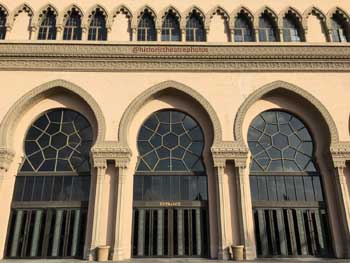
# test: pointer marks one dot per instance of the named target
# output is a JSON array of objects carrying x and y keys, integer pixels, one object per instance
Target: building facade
[{"x": 169, "y": 129}]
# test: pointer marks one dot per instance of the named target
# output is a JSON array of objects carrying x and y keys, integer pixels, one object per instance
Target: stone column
[
  {"x": 59, "y": 34},
  {"x": 281, "y": 38},
  {"x": 134, "y": 34},
  {"x": 242, "y": 190},
  {"x": 101, "y": 166},
  {"x": 257, "y": 35},
  {"x": 344, "y": 201},
  {"x": 219, "y": 164},
  {"x": 183, "y": 34},
  {"x": 84, "y": 33},
  {"x": 119, "y": 252},
  {"x": 158, "y": 34}
]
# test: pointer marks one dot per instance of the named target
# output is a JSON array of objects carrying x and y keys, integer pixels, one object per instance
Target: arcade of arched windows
[{"x": 193, "y": 25}]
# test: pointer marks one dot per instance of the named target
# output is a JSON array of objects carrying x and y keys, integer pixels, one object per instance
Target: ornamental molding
[
  {"x": 265, "y": 10},
  {"x": 25, "y": 7},
  {"x": 259, "y": 93},
  {"x": 163, "y": 13},
  {"x": 217, "y": 10},
  {"x": 111, "y": 151},
  {"x": 340, "y": 153},
  {"x": 152, "y": 92},
  {"x": 337, "y": 11},
  {"x": 289, "y": 10},
  {"x": 229, "y": 151},
  {"x": 11, "y": 119},
  {"x": 6, "y": 158},
  {"x": 96, "y": 57}
]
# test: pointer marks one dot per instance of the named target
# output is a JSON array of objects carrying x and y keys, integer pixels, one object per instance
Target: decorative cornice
[
  {"x": 204, "y": 57},
  {"x": 111, "y": 151},
  {"x": 340, "y": 154},
  {"x": 229, "y": 151}
]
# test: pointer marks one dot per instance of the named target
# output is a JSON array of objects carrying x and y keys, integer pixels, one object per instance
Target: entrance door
[
  {"x": 170, "y": 232},
  {"x": 170, "y": 216}
]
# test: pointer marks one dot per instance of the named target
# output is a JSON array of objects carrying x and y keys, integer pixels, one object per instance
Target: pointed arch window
[
  {"x": 291, "y": 29},
  {"x": 195, "y": 28},
  {"x": 243, "y": 31},
  {"x": 171, "y": 28},
  {"x": 339, "y": 29},
  {"x": 72, "y": 28},
  {"x": 52, "y": 188},
  {"x": 146, "y": 30},
  {"x": 3, "y": 28},
  {"x": 48, "y": 30},
  {"x": 286, "y": 188},
  {"x": 97, "y": 28},
  {"x": 267, "y": 28}
]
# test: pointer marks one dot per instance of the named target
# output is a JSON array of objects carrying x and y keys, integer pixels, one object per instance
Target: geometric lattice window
[
  {"x": 170, "y": 141},
  {"x": 58, "y": 141},
  {"x": 280, "y": 142}
]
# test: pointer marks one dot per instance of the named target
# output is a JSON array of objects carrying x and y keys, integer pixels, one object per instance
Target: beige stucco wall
[{"x": 225, "y": 92}]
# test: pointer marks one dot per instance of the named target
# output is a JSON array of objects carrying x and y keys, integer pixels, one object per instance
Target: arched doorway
[
  {"x": 170, "y": 209},
  {"x": 51, "y": 195},
  {"x": 289, "y": 209}
]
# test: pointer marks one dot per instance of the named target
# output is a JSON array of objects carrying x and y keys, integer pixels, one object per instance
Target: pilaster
[
  {"x": 219, "y": 164},
  {"x": 340, "y": 155},
  {"x": 101, "y": 166},
  {"x": 233, "y": 151},
  {"x": 119, "y": 251}
]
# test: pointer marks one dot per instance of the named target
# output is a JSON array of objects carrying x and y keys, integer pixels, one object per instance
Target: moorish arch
[
  {"x": 283, "y": 86},
  {"x": 11, "y": 119},
  {"x": 151, "y": 93},
  {"x": 284, "y": 96}
]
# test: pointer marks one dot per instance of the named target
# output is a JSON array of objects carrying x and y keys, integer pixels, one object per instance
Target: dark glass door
[{"x": 170, "y": 232}]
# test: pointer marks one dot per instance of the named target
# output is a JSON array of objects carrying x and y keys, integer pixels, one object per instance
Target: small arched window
[
  {"x": 267, "y": 29},
  {"x": 3, "y": 29},
  {"x": 171, "y": 28},
  {"x": 195, "y": 28},
  {"x": 291, "y": 29},
  {"x": 146, "y": 30},
  {"x": 97, "y": 29},
  {"x": 243, "y": 31},
  {"x": 48, "y": 30},
  {"x": 339, "y": 29},
  {"x": 72, "y": 28}
]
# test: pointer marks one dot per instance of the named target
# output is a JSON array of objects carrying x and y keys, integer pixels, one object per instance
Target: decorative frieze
[
  {"x": 229, "y": 151},
  {"x": 340, "y": 154},
  {"x": 202, "y": 57},
  {"x": 111, "y": 151}
]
